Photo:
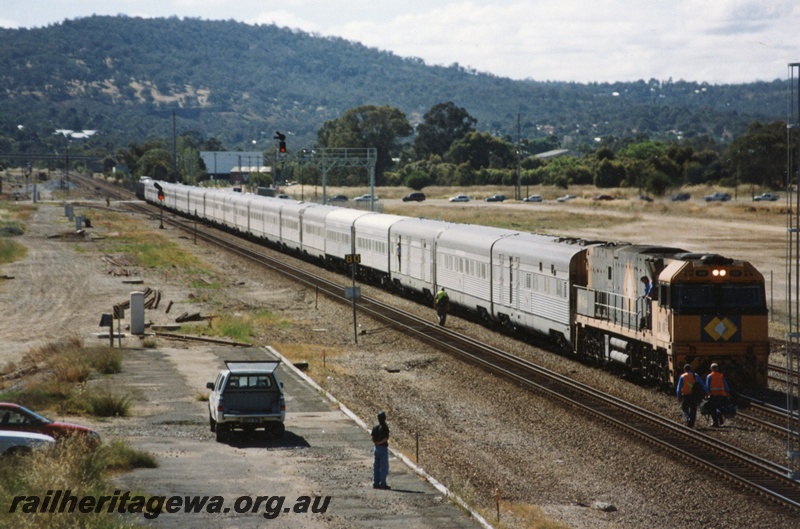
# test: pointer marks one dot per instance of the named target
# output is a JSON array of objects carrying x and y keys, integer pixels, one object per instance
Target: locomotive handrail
[{"x": 611, "y": 307}]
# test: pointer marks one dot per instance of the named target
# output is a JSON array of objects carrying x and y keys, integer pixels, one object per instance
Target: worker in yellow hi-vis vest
[{"x": 442, "y": 304}]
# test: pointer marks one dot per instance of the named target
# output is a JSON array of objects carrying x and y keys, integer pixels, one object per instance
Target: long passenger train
[{"x": 586, "y": 296}]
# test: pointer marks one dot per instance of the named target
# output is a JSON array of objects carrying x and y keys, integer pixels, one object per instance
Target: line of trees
[{"x": 445, "y": 150}]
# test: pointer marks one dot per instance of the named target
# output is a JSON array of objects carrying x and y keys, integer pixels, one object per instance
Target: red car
[{"x": 16, "y": 418}]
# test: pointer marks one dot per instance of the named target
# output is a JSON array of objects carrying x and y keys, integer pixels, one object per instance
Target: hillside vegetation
[{"x": 127, "y": 77}]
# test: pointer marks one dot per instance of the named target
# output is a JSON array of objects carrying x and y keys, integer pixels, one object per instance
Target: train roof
[
  {"x": 319, "y": 212},
  {"x": 536, "y": 246},
  {"x": 419, "y": 227},
  {"x": 471, "y": 236},
  {"x": 346, "y": 216},
  {"x": 382, "y": 221},
  {"x": 661, "y": 251}
]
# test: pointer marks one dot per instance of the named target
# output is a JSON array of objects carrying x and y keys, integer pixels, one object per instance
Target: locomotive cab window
[{"x": 734, "y": 299}]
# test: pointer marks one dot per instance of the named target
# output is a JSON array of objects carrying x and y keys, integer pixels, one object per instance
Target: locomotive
[{"x": 585, "y": 296}]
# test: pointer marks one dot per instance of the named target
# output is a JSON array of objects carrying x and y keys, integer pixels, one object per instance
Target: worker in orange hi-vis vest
[
  {"x": 690, "y": 391},
  {"x": 718, "y": 393}
]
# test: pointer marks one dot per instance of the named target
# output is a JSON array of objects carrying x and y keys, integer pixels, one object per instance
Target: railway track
[
  {"x": 764, "y": 477},
  {"x": 769, "y": 417}
]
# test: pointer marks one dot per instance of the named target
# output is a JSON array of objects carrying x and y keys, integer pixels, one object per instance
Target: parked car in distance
[
  {"x": 533, "y": 198},
  {"x": 717, "y": 197},
  {"x": 16, "y": 418},
  {"x": 365, "y": 198},
  {"x": 681, "y": 197},
  {"x": 495, "y": 198},
  {"x": 459, "y": 198},
  {"x": 766, "y": 197},
  {"x": 23, "y": 442},
  {"x": 603, "y": 197},
  {"x": 338, "y": 198},
  {"x": 565, "y": 198},
  {"x": 645, "y": 198},
  {"x": 414, "y": 197}
]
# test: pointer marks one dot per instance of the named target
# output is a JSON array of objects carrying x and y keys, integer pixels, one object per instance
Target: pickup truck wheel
[
  {"x": 212, "y": 424},
  {"x": 277, "y": 430},
  {"x": 222, "y": 433}
]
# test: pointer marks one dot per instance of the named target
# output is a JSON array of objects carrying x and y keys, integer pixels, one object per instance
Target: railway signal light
[
  {"x": 160, "y": 191},
  {"x": 281, "y": 141}
]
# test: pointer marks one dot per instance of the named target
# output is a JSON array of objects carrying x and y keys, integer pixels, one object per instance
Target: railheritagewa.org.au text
[{"x": 64, "y": 501}]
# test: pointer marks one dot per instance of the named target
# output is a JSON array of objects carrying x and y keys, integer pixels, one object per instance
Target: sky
[{"x": 713, "y": 41}]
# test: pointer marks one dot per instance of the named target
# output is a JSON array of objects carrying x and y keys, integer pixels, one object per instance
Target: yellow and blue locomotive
[{"x": 703, "y": 308}]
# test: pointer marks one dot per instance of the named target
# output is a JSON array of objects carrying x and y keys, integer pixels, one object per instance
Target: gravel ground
[{"x": 477, "y": 434}]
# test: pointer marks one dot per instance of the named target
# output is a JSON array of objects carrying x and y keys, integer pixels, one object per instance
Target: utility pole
[
  {"x": 519, "y": 162},
  {"x": 174, "y": 150},
  {"x": 793, "y": 273}
]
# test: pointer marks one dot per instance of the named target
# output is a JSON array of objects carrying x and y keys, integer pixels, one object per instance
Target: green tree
[
  {"x": 368, "y": 126},
  {"x": 156, "y": 162},
  {"x": 759, "y": 155},
  {"x": 441, "y": 126},
  {"x": 417, "y": 180},
  {"x": 609, "y": 174},
  {"x": 480, "y": 150}
]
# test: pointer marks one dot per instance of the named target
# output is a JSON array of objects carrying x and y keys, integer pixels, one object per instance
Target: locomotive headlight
[
  {"x": 715, "y": 273},
  {"x": 718, "y": 273}
]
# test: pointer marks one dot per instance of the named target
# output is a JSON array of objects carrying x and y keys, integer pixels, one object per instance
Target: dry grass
[
  {"x": 59, "y": 376},
  {"x": 322, "y": 360},
  {"x": 72, "y": 466}
]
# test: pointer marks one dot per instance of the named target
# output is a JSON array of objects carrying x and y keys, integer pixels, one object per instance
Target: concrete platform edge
[{"x": 418, "y": 470}]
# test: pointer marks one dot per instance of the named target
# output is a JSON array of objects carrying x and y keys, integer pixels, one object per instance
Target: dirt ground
[{"x": 476, "y": 439}]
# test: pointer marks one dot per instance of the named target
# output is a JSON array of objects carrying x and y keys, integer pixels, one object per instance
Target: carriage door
[
  {"x": 506, "y": 280},
  {"x": 512, "y": 264}
]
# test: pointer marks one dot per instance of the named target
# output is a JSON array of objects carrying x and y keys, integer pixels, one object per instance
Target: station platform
[{"x": 326, "y": 452}]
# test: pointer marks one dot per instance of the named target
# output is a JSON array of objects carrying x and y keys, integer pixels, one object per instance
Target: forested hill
[{"x": 126, "y": 76}]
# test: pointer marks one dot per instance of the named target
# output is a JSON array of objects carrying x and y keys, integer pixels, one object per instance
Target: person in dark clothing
[
  {"x": 645, "y": 320},
  {"x": 648, "y": 286},
  {"x": 380, "y": 466},
  {"x": 690, "y": 392}
]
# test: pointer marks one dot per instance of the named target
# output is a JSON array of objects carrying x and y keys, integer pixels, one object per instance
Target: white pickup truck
[{"x": 247, "y": 395}]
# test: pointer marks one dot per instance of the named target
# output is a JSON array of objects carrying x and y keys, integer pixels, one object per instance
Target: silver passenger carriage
[
  {"x": 314, "y": 230},
  {"x": 414, "y": 269},
  {"x": 339, "y": 234},
  {"x": 464, "y": 265},
  {"x": 291, "y": 216},
  {"x": 240, "y": 205},
  {"x": 531, "y": 283},
  {"x": 373, "y": 244},
  {"x": 265, "y": 218}
]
